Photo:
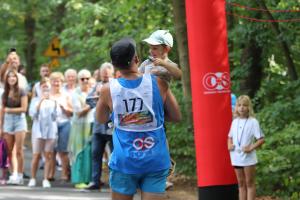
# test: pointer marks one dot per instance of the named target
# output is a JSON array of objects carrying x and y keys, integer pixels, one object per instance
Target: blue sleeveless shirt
[{"x": 137, "y": 152}]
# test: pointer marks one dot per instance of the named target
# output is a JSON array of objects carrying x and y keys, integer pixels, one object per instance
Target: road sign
[
  {"x": 54, "y": 62},
  {"x": 55, "y": 49}
]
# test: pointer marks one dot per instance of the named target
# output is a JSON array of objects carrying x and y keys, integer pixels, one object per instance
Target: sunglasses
[{"x": 82, "y": 79}]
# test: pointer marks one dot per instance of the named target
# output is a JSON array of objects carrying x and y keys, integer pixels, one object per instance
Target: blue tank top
[{"x": 137, "y": 152}]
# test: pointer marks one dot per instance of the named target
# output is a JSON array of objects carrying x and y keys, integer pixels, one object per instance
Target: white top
[
  {"x": 243, "y": 131},
  {"x": 23, "y": 83},
  {"x": 37, "y": 89},
  {"x": 78, "y": 103},
  {"x": 67, "y": 91},
  {"x": 44, "y": 121},
  {"x": 147, "y": 67},
  {"x": 62, "y": 100},
  {"x": 133, "y": 110}
]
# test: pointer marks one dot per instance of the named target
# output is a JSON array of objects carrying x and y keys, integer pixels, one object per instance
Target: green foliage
[
  {"x": 181, "y": 138},
  {"x": 279, "y": 170},
  {"x": 88, "y": 28},
  {"x": 278, "y": 102}
]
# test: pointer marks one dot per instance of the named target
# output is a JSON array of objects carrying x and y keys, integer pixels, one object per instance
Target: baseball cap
[
  {"x": 122, "y": 52},
  {"x": 160, "y": 37}
]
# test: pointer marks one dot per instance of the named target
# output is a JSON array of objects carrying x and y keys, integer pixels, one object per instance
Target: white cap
[{"x": 160, "y": 37}]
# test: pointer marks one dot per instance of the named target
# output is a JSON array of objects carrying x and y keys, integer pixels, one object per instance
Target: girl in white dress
[{"x": 244, "y": 137}]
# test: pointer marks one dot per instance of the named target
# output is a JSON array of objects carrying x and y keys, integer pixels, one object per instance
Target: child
[
  {"x": 158, "y": 63},
  {"x": 244, "y": 129},
  {"x": 43, "y": 110}
]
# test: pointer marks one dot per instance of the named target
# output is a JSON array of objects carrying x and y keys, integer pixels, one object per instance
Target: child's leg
[
  {"x": 250, "y": 182},
  {"x": 239, "y": 171},
  {"x": 48, "y": 159},
  {"x": 48, "y": 155},
  {"x": 36, "y": 156},
  {"x": 34, "y": 164}
]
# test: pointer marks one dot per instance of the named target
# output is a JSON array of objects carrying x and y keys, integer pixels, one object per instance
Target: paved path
[{"x": 58, "y": 191}]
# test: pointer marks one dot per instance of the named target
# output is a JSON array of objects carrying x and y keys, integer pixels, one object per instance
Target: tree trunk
[
  {"x": 181, "y": 38},
  {"x": 251, "y": 59},
  {"x": 283, "y": 45},
  {"x": 30, "y": 47},
  {"x": 58, "y": 16}
]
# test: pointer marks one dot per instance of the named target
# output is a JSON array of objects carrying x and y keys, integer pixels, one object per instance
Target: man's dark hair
[{"x": 122, "y": 53}]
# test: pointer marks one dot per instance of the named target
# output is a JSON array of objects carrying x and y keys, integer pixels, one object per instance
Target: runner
[{"x": 139, "y": 103}]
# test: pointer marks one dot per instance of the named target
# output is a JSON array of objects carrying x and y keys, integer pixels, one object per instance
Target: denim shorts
[
  {"x": 127, "y": 184},
  {"x": 63, "y": 136},
  {"x": 14, "y": 123}
]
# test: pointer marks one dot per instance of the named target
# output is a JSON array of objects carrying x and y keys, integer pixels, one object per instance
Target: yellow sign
[
  {"x": 54, "y": 49},
  {"x": 54, "y": 62}
]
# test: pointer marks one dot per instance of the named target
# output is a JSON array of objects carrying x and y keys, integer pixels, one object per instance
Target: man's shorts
[{"x": 127, "y": 184}]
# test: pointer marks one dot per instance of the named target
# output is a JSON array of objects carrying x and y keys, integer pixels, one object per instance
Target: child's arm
[
  {"x": 230, "y": 144},
  {"x": 251, "y": 147},
  {"x": 172, "y": 67}
]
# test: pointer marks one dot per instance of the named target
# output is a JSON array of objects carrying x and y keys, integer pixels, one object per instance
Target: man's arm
[{"x": 104, "y": 105}]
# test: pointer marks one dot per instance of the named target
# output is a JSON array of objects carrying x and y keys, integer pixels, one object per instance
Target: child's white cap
[{"x": 160, "y": 37}]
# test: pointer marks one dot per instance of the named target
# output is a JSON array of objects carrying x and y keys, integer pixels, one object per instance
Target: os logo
[
  {"x": 216, "y": 81},
  {"x": 140, "y": 143}
]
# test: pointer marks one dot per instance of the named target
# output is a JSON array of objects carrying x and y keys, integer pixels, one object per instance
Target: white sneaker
[
  {"x": 15, "y": 180},
  {"x": 46, "y": 184},
  {"x": 10, "y": 179},
  {"x": 169, "y": 185},
  {"x": 32, "y": 182}
]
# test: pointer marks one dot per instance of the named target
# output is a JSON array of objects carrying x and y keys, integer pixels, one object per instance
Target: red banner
[{"x": 210, "y": 82}]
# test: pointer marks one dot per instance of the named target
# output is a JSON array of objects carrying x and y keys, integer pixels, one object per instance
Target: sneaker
[
  {"x": 80, "y": 186},
  {"x": 46, "y": 184},
  {"x": 15, "y": 180},
  {"x": 92, "y": 186},
  {"x": 169, "y": 185},
  {"x": 32, "y": 182}
]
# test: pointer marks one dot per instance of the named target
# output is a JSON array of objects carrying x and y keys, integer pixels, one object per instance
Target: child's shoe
[
  {"x": 46, "y": 184},
  {"x": 32, "y": 182}
]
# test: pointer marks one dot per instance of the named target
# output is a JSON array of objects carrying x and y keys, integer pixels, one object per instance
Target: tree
[
  {"x": 283, "y": 45},
  {"x": 181, "y": 38}
]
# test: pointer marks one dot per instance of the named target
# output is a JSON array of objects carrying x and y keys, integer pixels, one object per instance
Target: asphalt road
[{"x": 58, "y": 191}]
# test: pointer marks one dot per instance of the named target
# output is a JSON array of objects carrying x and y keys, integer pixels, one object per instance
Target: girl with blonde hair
[{"x": 244, "y": 138}]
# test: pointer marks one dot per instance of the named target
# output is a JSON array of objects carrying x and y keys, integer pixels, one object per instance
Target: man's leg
[
  {"x": 153, "y": 196},
  {"x": 153, "y": 185},
  {"x": 98, "y": 145},
  {"x": 118, "y": 196}
]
